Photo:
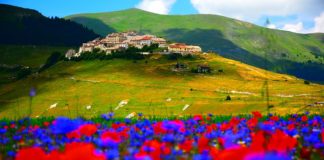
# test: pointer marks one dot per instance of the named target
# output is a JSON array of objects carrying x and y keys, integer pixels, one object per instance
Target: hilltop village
[{"x": 115, "y": 42}]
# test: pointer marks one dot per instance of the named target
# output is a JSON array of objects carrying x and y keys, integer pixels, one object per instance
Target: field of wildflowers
[{"x": 246, "y": 137}]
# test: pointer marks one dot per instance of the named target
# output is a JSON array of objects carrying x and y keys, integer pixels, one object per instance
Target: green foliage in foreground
[{"x": 100, "y": 119}]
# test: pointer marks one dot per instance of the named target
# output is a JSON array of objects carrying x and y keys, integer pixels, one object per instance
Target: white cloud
[
  {"x": 298, "y": 27},
  {"x": 156, "y": 6},
  {"x": 251, "y": 10},
  {"x": 271, "y": 26},
  {"x": 319, "y": 23}
]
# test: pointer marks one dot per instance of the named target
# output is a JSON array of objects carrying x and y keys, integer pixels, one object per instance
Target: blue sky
[{"x": 301, "y": 16}]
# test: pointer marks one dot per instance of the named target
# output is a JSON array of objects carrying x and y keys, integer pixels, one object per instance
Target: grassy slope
[
  {"x": 231, "y": 38},
  {"x": 27, "y": 55},
  {"x": 103, "y": 84},
  {"x": 32, "y": 56}
]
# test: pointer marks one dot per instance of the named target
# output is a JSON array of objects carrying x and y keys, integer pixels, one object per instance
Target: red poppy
[
  {"x": 12, "y": 125},
  {"x": 258, "y": 141},
  {"x": 88, "y": 129},
  {"x": 21, "y": 128},
  {"x": 315, "y": 123},
  {"x": 46, "y": 124},
  {"x": 252, "y": 123},
  {"x": 274, "y": 118},
  {"x": 81, "y": 151},
  {"x": 221, "y": 142},
  {"x": 186, "y": 146},
  {"x": 158, "y": 128},
  {"x": 34, "y": 153},
  {"x": 238, "y": 153},
  {"x": 305, "y": 153},
  {"x": 142, "y": 156},
  {"x": 234, "y": 121},
  {"x": 55, "y": 155},
  {"x": 291, "y": 127},
  {"x": 203, "y": 144},
  {"x": 154, "y": 149},
  {"x": 268, "y": 122},
  {"x": 111, "y": 135},
  {"x": 166, "y": 149},
  {"x": 214, "y": 153},
  {"x": 281, "y": 142},
  {"x": 124, "y": 133},
  {"x": 117, "y": 125},
  {"x": 224, "y": 127},
  {"x": 73, "y": 134},
  {"x": 257, "y": 114},
  {"x": 304, "y": 118},
  {"x": 198, "y": 117},
  {"x": 322, "y": 134}
]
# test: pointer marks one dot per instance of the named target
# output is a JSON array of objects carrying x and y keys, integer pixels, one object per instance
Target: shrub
[
  {"x": 51, "y": 60},
  {"x": 174, "y": 56},
  {"x": 194, "y": 70},
  {"x": 228, "y": 98},
  {"x": 23, "y": 72}
]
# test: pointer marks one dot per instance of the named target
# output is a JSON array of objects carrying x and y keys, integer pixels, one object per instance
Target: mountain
[
  {"x": 20, "y": 26},
  {"x": 153, "y": 86},
  {"x": 301, "y": 55}
]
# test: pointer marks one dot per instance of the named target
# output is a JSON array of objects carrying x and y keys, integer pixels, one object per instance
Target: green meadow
[
  {"x": 153, "y": 87},
  {"x": 23, "y": 55}
]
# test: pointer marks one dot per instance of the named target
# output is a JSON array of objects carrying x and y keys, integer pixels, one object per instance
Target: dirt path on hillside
[{"x": 185, "y": 88}]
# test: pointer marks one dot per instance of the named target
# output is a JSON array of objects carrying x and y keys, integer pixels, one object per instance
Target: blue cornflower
[
  {"x": 112, "y": 154},
  {"x": 63, "y": 125},
  {"x": 11, "y": 153}
]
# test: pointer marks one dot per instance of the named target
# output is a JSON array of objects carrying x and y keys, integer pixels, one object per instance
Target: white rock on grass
[
  {"x": 285, "y": 96},
  {"x": 53, "y": 106},
  {"x": 239, "y": 92},
  {"x": 121, "y": 104},
  {"x": 185, "y": 107},
  {"x": 88, "y": 107},
  {"x": 131, "y": 115},
  {"x": 169, "y": 100}
]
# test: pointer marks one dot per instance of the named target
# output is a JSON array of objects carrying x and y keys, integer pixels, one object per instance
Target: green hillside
[
  {"x": 27, "y": 55},
  {"x": 151, "y": 86},
  {"x": 301, "y": 55},
  {"x": 14, "y": 57}
]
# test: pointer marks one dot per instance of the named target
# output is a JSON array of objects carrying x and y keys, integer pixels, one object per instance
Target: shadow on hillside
[
  {"x": 308, "y": 71},
  {"x": 214, "y": 40},
  {"x": 316, "y": 51},
  {"x": 94, "y": 24}
]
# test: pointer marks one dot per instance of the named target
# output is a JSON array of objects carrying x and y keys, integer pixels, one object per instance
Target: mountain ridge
[{"x": 21, "y": 26}]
